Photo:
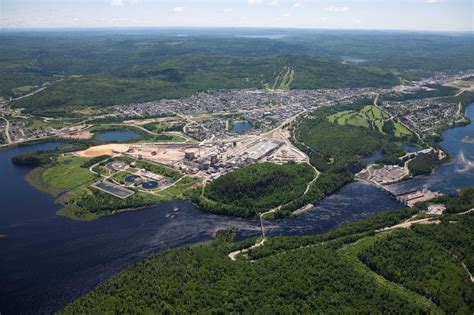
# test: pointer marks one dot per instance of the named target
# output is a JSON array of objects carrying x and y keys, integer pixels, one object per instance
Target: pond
[
  {"x": 410, "y": 148},
  {"x": 354, "y": 60},
  {"x": 117, "y": 135},
  {"x": 376, "y": 156},
  {"x": 241, "y": 127}
]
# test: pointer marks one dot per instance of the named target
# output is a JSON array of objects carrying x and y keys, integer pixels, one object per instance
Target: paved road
[{"x": 7, "y": 130}]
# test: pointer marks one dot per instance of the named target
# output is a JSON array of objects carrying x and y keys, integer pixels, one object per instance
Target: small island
[{"x": 468, "y": 139}]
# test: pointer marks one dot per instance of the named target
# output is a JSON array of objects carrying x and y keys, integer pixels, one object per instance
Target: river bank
[{"x": 48, "y": 261}]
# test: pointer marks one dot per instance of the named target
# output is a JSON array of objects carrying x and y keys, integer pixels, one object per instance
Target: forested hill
[
  {"x": 359, "y": 267},
  {"x": 101, "y": 68},
  {"x": 104, "y": 69}
]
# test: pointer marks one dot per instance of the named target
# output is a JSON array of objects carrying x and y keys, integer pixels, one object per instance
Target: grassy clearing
[
  {"x": 165, "y": 137},
  {"x": 67, "y": 174},
  {"x": 282, "y": 80},
  {"x": 22, "y": 90},
  {"x": 37, "y": 123},
  {"x": 401, "y": 130}
]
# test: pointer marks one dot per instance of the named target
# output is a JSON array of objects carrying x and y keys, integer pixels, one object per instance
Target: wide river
[{"x": 47, "y": 261}]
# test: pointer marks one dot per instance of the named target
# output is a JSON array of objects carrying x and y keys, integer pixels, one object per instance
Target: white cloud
[
  {"x": 119, "y": 3},
  {"x": 432, "y": 1},
  {"x": 337, "y": 9},
  {"x": 298, "y": 4},
  {"x": 264, "y": 2},
  {"x": 254, "y": 2},
  {"x": 178, "y": 9}
]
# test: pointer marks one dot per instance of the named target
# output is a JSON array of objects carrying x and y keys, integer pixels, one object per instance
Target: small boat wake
[{"x": 464, "y": 164}]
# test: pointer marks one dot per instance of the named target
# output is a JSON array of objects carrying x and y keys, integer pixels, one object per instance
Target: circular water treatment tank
[
  {"x": 131, "y": 178},
  {"x": 150, "y": 185}
]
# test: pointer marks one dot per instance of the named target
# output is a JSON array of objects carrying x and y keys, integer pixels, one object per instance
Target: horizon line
[{"x": 110, "y": 28}]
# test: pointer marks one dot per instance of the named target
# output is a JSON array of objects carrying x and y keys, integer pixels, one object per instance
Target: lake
[
  {"x": 117, "y": 136},
  {"x": 262, "y": 36},
  {"x": 48, "y": 261}
]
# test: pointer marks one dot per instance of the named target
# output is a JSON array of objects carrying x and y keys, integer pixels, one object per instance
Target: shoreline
[
  {"x": 73, "y": 212},
  {"x": 35, "y": 180}
]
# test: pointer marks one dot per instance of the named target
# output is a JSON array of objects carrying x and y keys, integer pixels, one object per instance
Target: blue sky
[{"x": 434, "y": 15}]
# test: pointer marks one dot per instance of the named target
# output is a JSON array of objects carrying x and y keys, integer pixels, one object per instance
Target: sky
[{"x": 430, "y": 15}]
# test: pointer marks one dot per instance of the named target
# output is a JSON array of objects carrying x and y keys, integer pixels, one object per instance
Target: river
[
  {"x": 459, "y": 172},
  {"x": 47, "y": 261}
]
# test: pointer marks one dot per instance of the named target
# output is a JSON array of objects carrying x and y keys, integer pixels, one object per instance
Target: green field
[
  {"x": 369, "y": 116},
  {"x": 401, "y": 130},
  {"x": 352, "y": 269},
  {"x": 65, "y": 175},
  {"x": 37, "y": 123}
]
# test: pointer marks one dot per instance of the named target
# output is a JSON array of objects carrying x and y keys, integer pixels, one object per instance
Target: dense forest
[
  {"x": 255, "y": 188},
  {"x": 423, "y": 164},
  {"x": 352, "y": 269},
  {"x": 33, "y": 159},
  {"x": 100, "y": 68},
  {"x": 460, "y": 204},
  {"x": 44, "y": 158},
  {"x": 423, "y": 266}
]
